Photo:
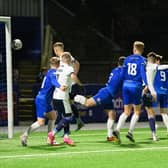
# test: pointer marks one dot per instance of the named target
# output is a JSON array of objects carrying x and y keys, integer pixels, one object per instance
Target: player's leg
[
  {"x": 88, "y": 102},
  {"x": 134, "y": 120},
  {"x": 41, "y": 108},
  {"x": 136, "y": 93},
  {"x": 62, "y": 106},
  {"x": 77, "y": 117},
  {"x": 163, "y": 109},
  {"x": 147, "y": 102},
  {"x": 152, "y": 122},
  {"x": 52, "y": 116},
  {"x": 127, "y": 100},
  {"x": 110, "y": 124},
  {"x": 76, "y": 89}
]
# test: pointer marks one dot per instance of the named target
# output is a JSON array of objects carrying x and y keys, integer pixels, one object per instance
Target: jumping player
[
  {"x": 105, "y": 96},
  {"x": 58, "y": 48},
  {"x": 65, "y": 75}
]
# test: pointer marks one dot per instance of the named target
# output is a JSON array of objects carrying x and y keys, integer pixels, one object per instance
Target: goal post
[{"x": 9, "y": 83}]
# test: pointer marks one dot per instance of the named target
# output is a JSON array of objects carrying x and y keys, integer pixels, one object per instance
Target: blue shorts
[
  {"x": 104, "y": 98},
  {"x": 162, "y": 100},
  {"x": 132, "y": 93},
  {"x": 42, "y": 106}
]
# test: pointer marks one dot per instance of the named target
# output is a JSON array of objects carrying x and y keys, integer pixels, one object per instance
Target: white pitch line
[{"x": 79, "y": 152}]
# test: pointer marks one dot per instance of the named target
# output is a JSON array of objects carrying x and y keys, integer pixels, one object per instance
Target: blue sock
[
  {"x": 152, "y": 124},
  {"x": 67, "y": 129},
  {"x": 63, "y": 123}
]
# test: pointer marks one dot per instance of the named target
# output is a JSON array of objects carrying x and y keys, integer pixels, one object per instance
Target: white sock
[
  {"x": 110, "y": 125},
  {"x": 121, "y": 121},
  {"x": 80, "y": 99},
  {"x": 51, "y": 124},
  {"x": 165, "y": 119},
  {"x": 133, "y": 122},
  {"x": 66, "y": 136},
  {"x": 32, "y": 128}
]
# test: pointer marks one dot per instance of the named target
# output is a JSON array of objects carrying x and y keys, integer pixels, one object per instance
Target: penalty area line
[{"x": 80, "y": 152}]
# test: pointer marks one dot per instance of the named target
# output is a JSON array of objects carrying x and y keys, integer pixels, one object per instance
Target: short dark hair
[
  {"x": 151, "y": 54},
  {"x": 121, "y": 60}
]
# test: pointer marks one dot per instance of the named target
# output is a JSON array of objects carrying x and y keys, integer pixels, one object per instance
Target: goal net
[{"x": 6, "y": 91}]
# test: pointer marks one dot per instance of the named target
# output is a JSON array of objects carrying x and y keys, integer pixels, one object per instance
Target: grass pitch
[{"x": 91, "y": 151}]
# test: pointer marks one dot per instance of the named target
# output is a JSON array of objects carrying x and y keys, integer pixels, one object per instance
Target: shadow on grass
[{"x": 47, "y": 147}]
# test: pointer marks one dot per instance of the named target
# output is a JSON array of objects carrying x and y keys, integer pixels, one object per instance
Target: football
[{"x": 17, "y": 44}]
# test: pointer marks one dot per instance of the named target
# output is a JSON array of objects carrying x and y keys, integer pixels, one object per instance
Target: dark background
[{"x": 98, "y": 32}]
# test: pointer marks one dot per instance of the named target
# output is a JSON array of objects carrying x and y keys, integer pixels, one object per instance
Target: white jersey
[
  {"x": 64, "y": 78},
  {"x": 72, "y": 61},
  {"x": 151, "y": 69}
]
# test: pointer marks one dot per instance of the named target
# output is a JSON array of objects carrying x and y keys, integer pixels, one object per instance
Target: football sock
[
  {"x": 110, "y": 125},
  {"x": 134, "y": 120},
  {"x": 80, "y": 99},
  {"x": 67, "y": 128},
  {"x": 152, "y": 124},
  {"x": 165, "y": 119},
  {"x": 62, "y": 123},
  {"x": 121, "y": 121},
  {"x": 32, "y": 128},
  {"x": 51, "y": 124}
]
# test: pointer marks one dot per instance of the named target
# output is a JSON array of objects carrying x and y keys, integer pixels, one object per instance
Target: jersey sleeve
[
  {"x": 162, "y": 67},
  {"x": 54, "y": 81},
  {"x": 143, "y": 73},
  {"x": 150, "y": 75}
]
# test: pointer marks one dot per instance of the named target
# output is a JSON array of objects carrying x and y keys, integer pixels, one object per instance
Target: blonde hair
[
  {"x": 58, "y": 44},
  {"x": 138, "y": 45},
  {"x": 54, "y": 61},
  {"x": 66, "y": 57}
]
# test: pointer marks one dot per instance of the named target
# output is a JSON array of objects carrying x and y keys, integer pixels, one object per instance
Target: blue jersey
[
  {"x": 48, "y": 85},
  {"x": 105, "y": 95},
  {"x": 161, "y": 81},
  {"x": 134, "y": 69},
  {"x": 114, "y": 83}
]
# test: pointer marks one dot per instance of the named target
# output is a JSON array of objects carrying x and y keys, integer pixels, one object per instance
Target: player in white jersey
[
  {"x": 156, "y": 77},
  {"x": 149, "y": 94},
  {"x": 58, "y": 48},
  {"x": 61, "y": 101}
]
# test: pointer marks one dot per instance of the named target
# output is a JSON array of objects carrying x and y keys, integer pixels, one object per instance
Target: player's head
[
  {"x": 58, "y": 48},
  {"x": 138, "y": 47},
  {"x": 121, "y": 60},
  {"x": 66, "y": 57},
  {"x": 44, "y": 70},
  {"x": 158, "y": 59},
  {"x": 54, "y": 62},
  {"x": 151, "y": 57}
]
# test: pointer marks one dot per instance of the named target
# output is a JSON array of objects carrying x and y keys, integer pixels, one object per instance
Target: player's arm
[
  {"x": 150, "y": 75},
  {"x": 55, "y": 82},
  {"x": 143, "y": 74},
  {"x": 76, "y": 66},
  {"x": 162, "y": 67},
  {"x": 75, "y": 78}
]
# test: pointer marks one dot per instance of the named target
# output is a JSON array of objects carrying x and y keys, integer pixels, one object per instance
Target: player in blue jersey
[
  {"x": 105, "y": 96},
  {"x": 134, "y": 76},
  {"x": 43, "y": 101},
  {"x": 161, "y": 87}
]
